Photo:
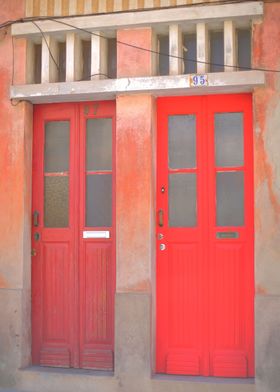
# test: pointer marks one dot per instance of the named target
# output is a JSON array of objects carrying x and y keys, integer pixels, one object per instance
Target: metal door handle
[
  {"x": 36, "y": 218},
  {"x": 160, "y": 217}
]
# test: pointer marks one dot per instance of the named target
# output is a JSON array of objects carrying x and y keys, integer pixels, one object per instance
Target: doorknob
[
  {"x": 36, "y": 218},
  {"x": 162, "y": 247},
  {"x": 160, "y": 217}
]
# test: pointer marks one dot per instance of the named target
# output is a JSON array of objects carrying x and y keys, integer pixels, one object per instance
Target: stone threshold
[
  {"x": 64, "y": 371},
  {"x": 200, "y": 379}
]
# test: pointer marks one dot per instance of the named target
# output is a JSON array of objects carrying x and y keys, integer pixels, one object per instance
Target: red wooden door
[
  {"x": 205, "y": 277},
  {"x": 73, "y": 235}
]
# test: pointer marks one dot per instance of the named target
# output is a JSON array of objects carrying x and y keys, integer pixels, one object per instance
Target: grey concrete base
[
  {"x": 63, "y": 380},
  {"x": 14, "y": 334},
  {"x": 38, "y": 379},
  {"x": 267, "y": 309},
  {"x": 132, "y": 363},
  {"x": 133, "y": 338}
]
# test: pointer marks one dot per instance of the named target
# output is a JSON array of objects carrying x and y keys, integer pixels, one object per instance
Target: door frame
[
  {"x": 78, "y": 112},
  {"x": 163, "y": 102}
]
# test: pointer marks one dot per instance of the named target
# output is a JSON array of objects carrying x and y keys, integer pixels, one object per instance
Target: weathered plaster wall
[
  {"x": 267, "y": 201},
  {"x": 132, "y": 62},
  {"x": 135, "y": 230},
  {"x": 15, "y": 200}
]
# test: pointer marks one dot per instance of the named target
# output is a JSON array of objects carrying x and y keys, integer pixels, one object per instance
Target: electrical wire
[
  {"x": 163, "y": 54},
  {"x": 58, "y": 20},
  {"x": 209, "y": 2},
  {"x": 45, "y": 39},
  {"x": 13, "y": 73},
  {"x": 95, "y": 74}
]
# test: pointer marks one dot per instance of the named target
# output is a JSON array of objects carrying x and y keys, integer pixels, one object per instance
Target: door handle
[
  {"x": 35, "y": 218},
  {"x": 160, "y": 218}
]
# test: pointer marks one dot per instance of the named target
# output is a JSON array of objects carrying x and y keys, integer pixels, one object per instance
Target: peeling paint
[{"x": 260, "y": 290}]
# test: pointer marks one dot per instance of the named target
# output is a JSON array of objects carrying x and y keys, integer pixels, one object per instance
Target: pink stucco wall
[
  {"x": 12, "y": 152},
  {"x": 266, "y": 38}
]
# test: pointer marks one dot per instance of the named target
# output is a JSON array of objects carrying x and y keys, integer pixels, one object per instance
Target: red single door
[
  {"x": 205, "y": 277},
  {"x": 73, "y": 235}
]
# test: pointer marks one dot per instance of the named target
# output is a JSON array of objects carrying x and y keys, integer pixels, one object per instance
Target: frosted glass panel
[
  {"x": 230, "y": 198},
  {"x": 99, "y": 200},
  {"x": 57, "y": 146},
  {"x": 190, "y": 53},
  {"x": 216, "y": 51},
  {"x": 229, "y": 139},
  {"x": 56, "y": 206},
  {"x": 182, "y": 200},
  {"x": 182, "y": 141},
  {"x": 99, "y": 144}
]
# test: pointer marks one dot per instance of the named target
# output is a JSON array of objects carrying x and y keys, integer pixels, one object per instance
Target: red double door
[
  {"x": 73, "y": 235},
  {"x": 205, "y": 277}
]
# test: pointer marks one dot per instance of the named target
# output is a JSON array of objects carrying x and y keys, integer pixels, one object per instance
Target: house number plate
[{"x": 198, "y": 80}]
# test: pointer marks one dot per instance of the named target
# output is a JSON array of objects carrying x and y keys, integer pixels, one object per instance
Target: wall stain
[
  {"x": 266, "y": 55},
  {"x": 3, "y": 283},
  {"x": 261, "y": 290}
]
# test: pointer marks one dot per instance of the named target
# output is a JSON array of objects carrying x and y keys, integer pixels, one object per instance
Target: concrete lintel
[
  {"x": 145, "y": 18},
  {"x": 218, "y": 83}
]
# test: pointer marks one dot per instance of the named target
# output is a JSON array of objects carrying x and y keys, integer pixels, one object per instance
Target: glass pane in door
[
  {"x": 99, "y": 144},
  {"x": 229, "y": 146},
  {"x": 99, "y": 200},
  {"x": 182, "y": 210},
  {"x": 56, "y": 206},
  {"x": 98, "y": 211},
  {"x": 230, "y": 198},
  {"x": 182, "y": 141},
  {"x": 56, "y": 174},
  {"x": 57, "y": 138}
]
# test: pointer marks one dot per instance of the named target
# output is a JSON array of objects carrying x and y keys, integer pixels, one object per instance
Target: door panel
[
  {"x": 97, "y": 271},
  {"x": 205, "y": 236},
  {"x": 182, "y": 232},
  {"x": 52, "y": 236},
  {"x": 73, "y": 278}
]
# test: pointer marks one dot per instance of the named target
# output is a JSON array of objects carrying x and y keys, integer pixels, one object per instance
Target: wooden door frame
[
  {"x": 78, "y": 114},
  {"x": 245, "y": 106}
]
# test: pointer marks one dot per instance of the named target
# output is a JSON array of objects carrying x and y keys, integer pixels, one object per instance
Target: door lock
[
  {"x": 36, "y": 218},
  {"x": 33, "y": 252}
]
